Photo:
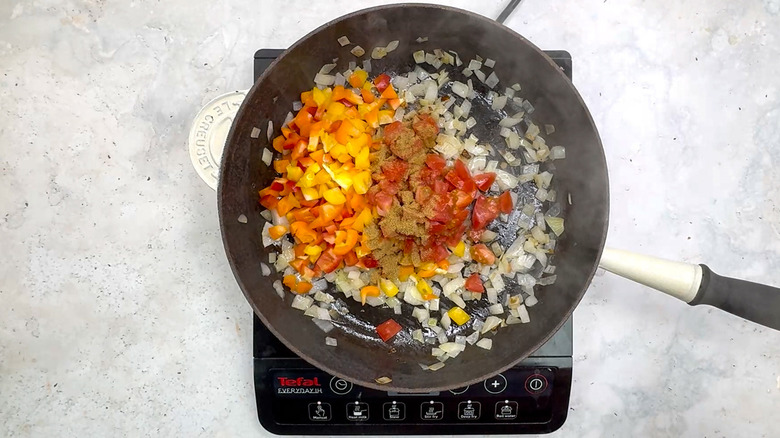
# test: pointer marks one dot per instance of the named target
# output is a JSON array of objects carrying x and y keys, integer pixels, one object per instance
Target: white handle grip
[{"x": 680, "y": 280}]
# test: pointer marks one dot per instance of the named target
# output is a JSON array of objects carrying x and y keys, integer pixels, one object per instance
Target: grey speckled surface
[{"x": 119, "y": 313}]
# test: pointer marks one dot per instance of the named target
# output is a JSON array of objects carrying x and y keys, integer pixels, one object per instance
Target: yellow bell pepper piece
[
  {"x": 457, "y": 315},
  {"x": 362, "y": 160},
  {"x": 460, "y": 249},
  {"x": 358, "y": 78},
  {"x": 335, "y": 196},
  {"x": 362, "y": 182},
  {"x": 343, "y": 179},
  {"x": 388, "y": 287},
  {"x": 427, "y": 270},
  {"x": 310, "y": 193},
  {"x": 425, "y": 289},
  {"x": 294, "y": 173}
]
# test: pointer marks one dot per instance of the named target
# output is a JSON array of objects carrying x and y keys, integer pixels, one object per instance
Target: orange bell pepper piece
[
  {"x": 329, "y": 212},
  {"x": 278, "y": 143},
  {"x": 358, "y": 78},
  {"x": 351, "y": 259},
  {"x": 281, "y": 165},
  {"x": 277, "y": 231},
  {"x": 405, "y": 272},
  {"x": 389, "y": 93},
  {"x": 298, "y": 264},
  {"x": 303, "y": 121},
  {"x": 345, "y": 241},
  {"x": 367, "y": 95},
  {"x": 367, "y": 291},
  {"x": 289, "y": 281},
  {"x": 269, "y": 202},
  {"x": 303, "y": 214},
  {"x": 302, "y": 287},
  {"x": 286, "y": 204}
]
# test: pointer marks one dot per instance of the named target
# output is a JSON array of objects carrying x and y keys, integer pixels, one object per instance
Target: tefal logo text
[{"x": 300, "y": 381}]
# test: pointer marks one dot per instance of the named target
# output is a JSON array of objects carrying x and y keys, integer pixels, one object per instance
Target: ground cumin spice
[{"x": 406, "y": 220}]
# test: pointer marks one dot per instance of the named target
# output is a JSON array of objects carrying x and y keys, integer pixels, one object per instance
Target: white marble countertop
[{"x": 119, "y": 314}]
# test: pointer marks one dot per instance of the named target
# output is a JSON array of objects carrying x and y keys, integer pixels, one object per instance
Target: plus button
[{"x": 496, "y": 385}]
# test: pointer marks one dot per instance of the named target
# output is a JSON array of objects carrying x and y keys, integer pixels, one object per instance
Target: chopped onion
[
  {"x": 324, "y": 80},
  {"x": 496, "y": 309},
  {"x": 421, "y": 39},
  {"x": 327, "y": 68},
  {"x": 489, "y": 63},
  {"x": 474, "y": 65},
  {"x": 437, "y": 366},
  {"x": 522, "y": 313},
  {"x": 508, "y": 122},
  {"x": 268, "y": 156},
  {"x": 358, "y": 51},
  {"x": 485, "y": 343},
  {"x": 498, "y": 103},
  {"x": 490, "y": 323},
  {"x": 302, "y": 302},
  {"x": 330, "y": 341},
  {"x": 392, "y": 45},
  {"x": 557, "y": 153},
  {"x": 460, "y": 89},
  {"x": 264, "y": 269},
  {"x": 279, "y": 288},
  {"x": 270, "y": 130},
  {"x": 378, "y": 53},
  {"x": 491, "y": 80},
  {"x": 343, "y": 40}
]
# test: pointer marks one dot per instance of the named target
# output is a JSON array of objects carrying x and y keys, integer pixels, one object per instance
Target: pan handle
[{"x": 697, "y": 284}]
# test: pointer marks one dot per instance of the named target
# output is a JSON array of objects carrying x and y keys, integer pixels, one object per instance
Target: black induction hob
[{"x": 295, "y": 398}]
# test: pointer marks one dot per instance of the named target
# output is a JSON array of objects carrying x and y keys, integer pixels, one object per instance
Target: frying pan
[{"x": 361, "y": 357}]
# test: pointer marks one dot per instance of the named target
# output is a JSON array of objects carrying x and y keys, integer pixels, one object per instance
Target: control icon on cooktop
[
  {"x": 432, "y": 410},
  {"x": 319, "y": 411},
  {"x": 506, "y": 410},
  {"x": 468, "y": 410},
  {"x": 496, "y": 384},
  {"x": 357, "y": 411},
  {"x": 394, "y": 411}
]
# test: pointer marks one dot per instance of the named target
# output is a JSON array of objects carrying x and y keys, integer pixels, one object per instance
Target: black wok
[{"x": 360, "y": 356}]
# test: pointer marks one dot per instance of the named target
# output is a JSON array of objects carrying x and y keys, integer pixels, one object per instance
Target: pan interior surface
[{"x": 360, "y": 356}]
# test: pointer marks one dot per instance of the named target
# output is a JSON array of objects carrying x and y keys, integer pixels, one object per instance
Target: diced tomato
[
  {"x": 381, "y": 82},
  {"x": 441, "y": 187},
  {"x": 484, "y": 180},
  {"x": 462, "y": 199},
  {"x": 395, "y": 170},
  {"x": 426, "y": 127},
  {"x": 408, "y": 246},
  {"x": 328, "y": 261},
  {"x": 482, "y": 254},
  {"x": 475, "y": 235},
  {"x": 389, "y": 187},
  {"x": 435, "y": 162},
  {"x": 383, "y": 203},
  {"x": 434, "y": 253},
  {"x": 369, "y": 262},
  {"x": 474, "y": 283},
  {"x": 461, "y": 170},
  {"x": 392, "y": 131},
  {"x": 505, "y": 203},
  {"x": 422, "y": 194},
  {"x": 388, "y": 329},
  {"x": 485, "y": 211}
]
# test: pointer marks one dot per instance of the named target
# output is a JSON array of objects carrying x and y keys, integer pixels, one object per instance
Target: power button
[{"x": 535, "y": 383}]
